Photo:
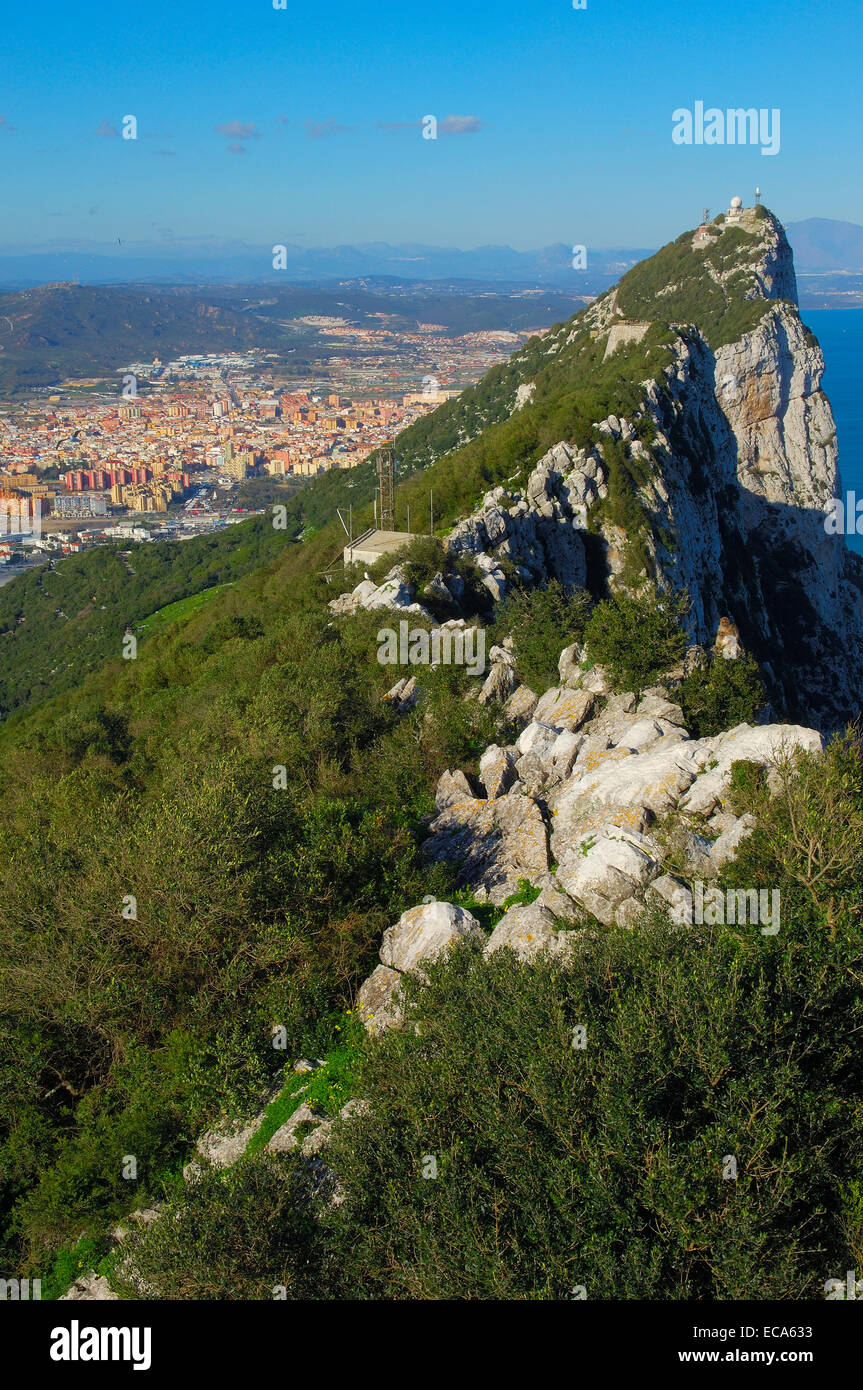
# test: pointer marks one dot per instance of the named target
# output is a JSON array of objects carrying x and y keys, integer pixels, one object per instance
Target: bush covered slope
[{"x": 206, "y": 843}]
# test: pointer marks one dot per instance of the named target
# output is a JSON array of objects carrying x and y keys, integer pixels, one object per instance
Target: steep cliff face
[{"x": 731, "y": 457}]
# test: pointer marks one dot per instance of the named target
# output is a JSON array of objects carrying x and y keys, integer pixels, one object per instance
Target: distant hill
[
  {"x": 819, "y": 243},
  {"x": 53, "y": 331},
  {"x": 822, "y": 244},
  {"x": 60, "y": 330}
]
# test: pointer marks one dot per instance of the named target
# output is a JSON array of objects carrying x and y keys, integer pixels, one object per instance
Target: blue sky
[{"x": 570, "y": 136}]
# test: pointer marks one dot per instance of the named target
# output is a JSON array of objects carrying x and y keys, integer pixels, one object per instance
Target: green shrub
[
  {"x": 748, "y": 781},
  {"x": 607, "y": 1167},
  {"x": 542, "y": 622},
  {"x": 244, "y": 1233},
  {"x": 721, "y": 695},
  {"x": 636, "y": 638}
]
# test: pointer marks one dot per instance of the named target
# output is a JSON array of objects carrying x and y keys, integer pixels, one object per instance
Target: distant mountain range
[
  {"x": 821, "y": 245},
  {"x": 552, "y": 265}
]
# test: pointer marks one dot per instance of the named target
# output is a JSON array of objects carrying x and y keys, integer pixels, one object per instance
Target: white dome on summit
[{"x": 736, "y": 204}]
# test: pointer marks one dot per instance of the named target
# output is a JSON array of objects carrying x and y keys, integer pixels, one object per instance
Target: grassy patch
[
  {"x": 173, "y": 612},
  {"x": 89, "y": 1253},
  {"x": 325, "y": 1090}
]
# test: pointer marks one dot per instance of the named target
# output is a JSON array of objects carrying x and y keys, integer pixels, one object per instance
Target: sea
[{"x": 840, "y": 333}]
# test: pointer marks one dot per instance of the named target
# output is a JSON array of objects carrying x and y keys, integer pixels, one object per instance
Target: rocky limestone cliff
[{"x": 734, "y": 454}]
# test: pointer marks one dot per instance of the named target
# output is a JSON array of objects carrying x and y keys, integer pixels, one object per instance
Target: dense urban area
[{"x": 163, "y": 457}]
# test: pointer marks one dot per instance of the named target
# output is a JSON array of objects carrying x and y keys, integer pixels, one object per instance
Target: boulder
[
  {"x": 564, "y": 708},
  {"x": 640, "y": 735},
  {"x": 494, "y": 843},
  {"x": 725, "y": 847},
  {"x": 596, "y": 681},
  {"x": 602, "y": 873},
  {"x": 497, "y": 770},
  {"x": 451, "y": 788},
  {"x": 560, "y": 904},
  {"x": 532, "y": 772},
  {"x": 423, "y": 932},
  {"x": 287, "y": 1137},
  {"x": 436, "y": 588},
  {"x": 521, "y": 704},
  {"x": 538, "y": 738},
  {"x": 90, "y": 1287},
  {"x": 674, "y": 896},
  {"x": 377, "y": 1001},
  {"x": 527, "y": 929},
  {"x": 563, "y": 753},
  {"x": 499, "y": 684},
  {"x": 629, "y": 789},
  {"x": 569, "y": 666},
  {"x": 222, "y": 1148},
  {"x": 762, "y": 744},
  {"x": 403, "y": 695}
]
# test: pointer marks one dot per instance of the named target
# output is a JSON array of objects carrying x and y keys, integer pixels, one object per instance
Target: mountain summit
[{"x": 689, "y": 444}]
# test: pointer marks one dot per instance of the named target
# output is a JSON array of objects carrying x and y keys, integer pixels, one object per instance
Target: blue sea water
[{"x": 840, "y": 333}]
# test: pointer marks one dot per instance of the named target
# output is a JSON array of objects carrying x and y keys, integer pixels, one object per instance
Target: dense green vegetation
[
  {"x": 721, "y": 311},
  {"x": 703, "y": 1143},
  {"x": 727, "y": 694},
  {"x": 66, "y": 618},
  {"x": 541, "y": 622},
  {"x": 636, "y": 637},
  {"x": 172, "y": 612},
  {"x": 255, "y": 900}
]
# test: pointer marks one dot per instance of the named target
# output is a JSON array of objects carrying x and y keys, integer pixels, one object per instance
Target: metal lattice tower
[{"x": 386, "y": 485}]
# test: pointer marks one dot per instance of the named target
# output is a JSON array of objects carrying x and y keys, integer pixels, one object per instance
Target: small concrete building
[{"x": 372, "y": 544}]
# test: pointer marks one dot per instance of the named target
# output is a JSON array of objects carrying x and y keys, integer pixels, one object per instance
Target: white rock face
[
  {"x": 621, "y": 786},
  {"x": 287, "y": 1137},
  {"x": 423, "y": 932},
  {"x": 760, "y": 745},
  {"x": 521, "y": 705},
  {"x": 674, "y": 896},
  {"x": 497, "y": 770},
  {"x": 541, "y": 534},
  {"x": 223, "y": 1147},
  {"x": 494, "y": 843},
  {"x": 393, "y": 592},
  {"x": 563, "y": 708},
  {"x": 90, "y": 1287}
]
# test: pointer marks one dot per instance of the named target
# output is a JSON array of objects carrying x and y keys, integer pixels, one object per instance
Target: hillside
[
  {"x": 288, "y": 925},
  {"x": 55, "y": 331},
  {"x": 67, "y": 618}
]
